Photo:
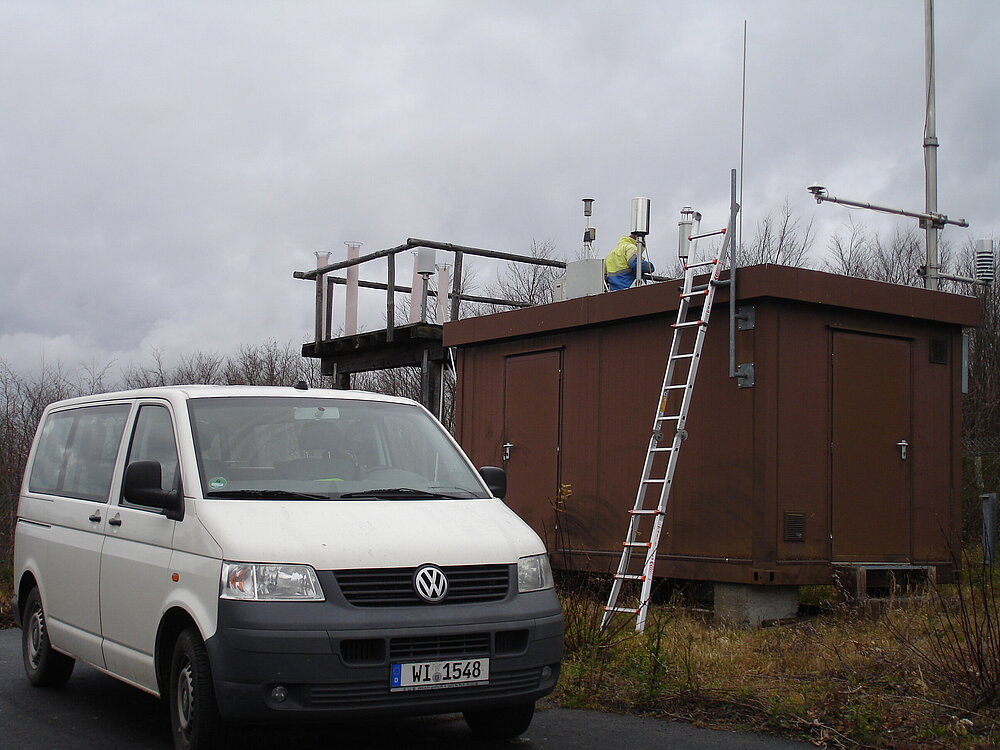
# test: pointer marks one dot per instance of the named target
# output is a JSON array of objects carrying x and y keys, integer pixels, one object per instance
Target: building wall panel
[{"x": 755, "y": 495}]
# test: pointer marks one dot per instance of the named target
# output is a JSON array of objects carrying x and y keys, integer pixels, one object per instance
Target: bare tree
[
  {"x": 864, "y": 254},
  {"x": 524, "y": 282},
  {"x": 149, "y": 376},
  {"x": 200, "y": 367},
  {"x": 850, "y": 252},
  {"x": 780, "y": 238},
  {"x": 22, "y": 400},
  {"x": 269, "y": 363}
]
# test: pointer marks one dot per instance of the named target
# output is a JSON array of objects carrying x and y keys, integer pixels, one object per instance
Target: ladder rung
[
  {"x": 702, "y": 264},
  {"x": 675, "y": 387},
  {"x": 641, "y": 512},
  {"x": 689, "y": 355},
  {"x": 689, "y": 324},
  {"x": 701, "y": 292},
  {"x": 653, "y": 481},
  {"x": 629, "y": 577},
  {"x": 628, "y": 610},
  {"x": 668, "y": 417},
  {"x": 662, "y": 450},
  {"x": 636, "y": 544}
]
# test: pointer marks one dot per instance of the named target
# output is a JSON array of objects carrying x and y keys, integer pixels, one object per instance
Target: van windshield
[{"x": 322, "y": 448}]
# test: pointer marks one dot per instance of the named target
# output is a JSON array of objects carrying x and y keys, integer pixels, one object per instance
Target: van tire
[
  {"x": 500, "y": 723},
  {"x": 44, "y": 666},
  {"x": 194, "y": 716}
]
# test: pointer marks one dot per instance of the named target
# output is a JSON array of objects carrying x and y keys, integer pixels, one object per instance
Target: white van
[{"x": 267, "y": 554}]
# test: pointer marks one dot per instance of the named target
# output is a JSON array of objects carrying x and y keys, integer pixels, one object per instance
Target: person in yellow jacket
[{"x": 621, "y": 263}]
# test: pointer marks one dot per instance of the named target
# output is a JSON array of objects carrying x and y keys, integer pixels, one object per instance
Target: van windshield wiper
[
  {"x": 261, "y": 494},
  {"x": 397, "y": 492}
]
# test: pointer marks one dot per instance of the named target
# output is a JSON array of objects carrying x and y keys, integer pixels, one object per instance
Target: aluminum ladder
[{"x": 659, "y": 486}]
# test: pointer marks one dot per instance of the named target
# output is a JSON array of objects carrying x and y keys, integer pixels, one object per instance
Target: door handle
[
  {"x": 903, "y": 445},
  {"x": 116, "y": 521},
  {"x": 95, "y": 517},
  {"x": 506, "y": 450}
]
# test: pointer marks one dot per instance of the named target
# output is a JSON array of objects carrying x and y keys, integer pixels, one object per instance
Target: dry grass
[
  {"x": 6, "y": 593},
  {"x": 846, "y": 678}
]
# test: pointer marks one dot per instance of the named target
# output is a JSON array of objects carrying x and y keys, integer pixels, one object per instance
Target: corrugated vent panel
[
  {"x": 377, "y": 694},
  {"x": 795, "y": 527},
  {"x": 428, "y": 648},
  {"x": 393, "y": 587},
  {"x": 510, "y": 642},
  {"x": 363, "y": 651}
]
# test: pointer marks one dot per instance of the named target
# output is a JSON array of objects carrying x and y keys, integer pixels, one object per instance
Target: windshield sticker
[{"x": 217, "y": 483}]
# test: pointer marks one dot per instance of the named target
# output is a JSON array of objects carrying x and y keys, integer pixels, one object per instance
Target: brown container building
[{"x": 843, "y": 451}]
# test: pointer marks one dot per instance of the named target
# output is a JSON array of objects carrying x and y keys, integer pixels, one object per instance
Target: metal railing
[{"x": 325, "y": 282}]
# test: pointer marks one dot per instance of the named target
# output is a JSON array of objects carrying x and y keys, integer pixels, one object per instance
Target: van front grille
[
  {"x": 393, "y": 587},
  {"x": 377, "y": 694},
  {"x": 433, "y": 647}
]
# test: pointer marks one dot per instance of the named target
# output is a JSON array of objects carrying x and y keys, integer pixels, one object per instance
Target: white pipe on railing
[
  {"x": 444, "y": 282},
  {"x": 351, "y": 298}
]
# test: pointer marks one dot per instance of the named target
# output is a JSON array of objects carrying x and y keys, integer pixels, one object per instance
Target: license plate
[{"x": 429, "y": 675}]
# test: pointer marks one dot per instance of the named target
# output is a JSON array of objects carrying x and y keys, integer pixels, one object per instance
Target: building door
[
  {"x": 870, "y": 452},
  {"x": 532, "y": 401}
]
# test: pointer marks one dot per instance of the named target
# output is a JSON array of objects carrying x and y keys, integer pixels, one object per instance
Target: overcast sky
[{"x": 166, "y": 166}]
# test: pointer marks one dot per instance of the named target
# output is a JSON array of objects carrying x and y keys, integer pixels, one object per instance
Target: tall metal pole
[
  {"x": 930, "y": 151},
  {"x": 731, "y": 240}
]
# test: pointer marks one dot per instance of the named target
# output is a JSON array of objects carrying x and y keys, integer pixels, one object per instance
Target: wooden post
[
  {"x": 328, "y": 309},
  {"x": 322, "y": 292},
  {"x": 320, "y": 306},
  {"x": 390, "y": 299}
]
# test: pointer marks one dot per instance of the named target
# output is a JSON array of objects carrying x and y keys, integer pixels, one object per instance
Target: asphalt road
[{"x": 96, "y": 711}]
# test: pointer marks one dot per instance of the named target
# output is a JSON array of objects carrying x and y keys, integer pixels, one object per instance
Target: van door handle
[
  {"x": 116, "y": 521},
  {"x": 95, "y": 517},
  {"x": 506, "y": 450},
  {"x": 903, "y": 445}
]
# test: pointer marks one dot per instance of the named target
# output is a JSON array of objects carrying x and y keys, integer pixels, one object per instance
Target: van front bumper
[{"x": 334, "y": 660}]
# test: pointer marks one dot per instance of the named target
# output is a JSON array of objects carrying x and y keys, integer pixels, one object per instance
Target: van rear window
[{"x": 76, "y": 452}]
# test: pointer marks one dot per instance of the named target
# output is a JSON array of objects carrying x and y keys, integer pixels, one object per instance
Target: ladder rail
[
  {"x": 639, "y": 509},
  {"x": 639, "y": 503}
]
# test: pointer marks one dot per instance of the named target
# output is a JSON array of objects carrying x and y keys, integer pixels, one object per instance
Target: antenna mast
[{"x": 931, "y": 228}]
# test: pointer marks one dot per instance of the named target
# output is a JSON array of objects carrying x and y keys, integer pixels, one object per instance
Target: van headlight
[
  {"x": 269, "y": 582},
  {"x": 534, "y": 573}
]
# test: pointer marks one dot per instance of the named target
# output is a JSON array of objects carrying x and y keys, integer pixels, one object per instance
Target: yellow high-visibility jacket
[{"x": 621, "y": 262}]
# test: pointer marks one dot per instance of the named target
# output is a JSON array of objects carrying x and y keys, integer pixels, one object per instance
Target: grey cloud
[{"x": 165, "y": 166}]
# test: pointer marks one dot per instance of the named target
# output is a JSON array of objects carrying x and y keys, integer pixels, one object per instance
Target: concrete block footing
[{"x": 743, "y": 605}]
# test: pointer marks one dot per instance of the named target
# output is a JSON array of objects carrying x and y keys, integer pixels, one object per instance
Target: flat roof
[{"x": 753, "y": 282}]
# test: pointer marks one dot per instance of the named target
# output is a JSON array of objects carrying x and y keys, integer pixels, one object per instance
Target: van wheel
[
  {"x": 44, "y": 666},
  {"x": 194, "y": 716},
  {"x": 500, "y": 723}
]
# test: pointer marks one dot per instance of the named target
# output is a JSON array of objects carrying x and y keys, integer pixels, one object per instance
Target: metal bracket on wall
[
  {"x": 744, "y": 375},
  {"x": 746, "y": 317}
]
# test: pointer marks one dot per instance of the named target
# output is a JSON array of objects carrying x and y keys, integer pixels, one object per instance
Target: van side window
[
  {"x": 77, "y": 451},
  {"x": 153, "y": 440}
]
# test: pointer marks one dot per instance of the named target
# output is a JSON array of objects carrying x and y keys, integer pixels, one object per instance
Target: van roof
[{"x": 185, "y": 392}]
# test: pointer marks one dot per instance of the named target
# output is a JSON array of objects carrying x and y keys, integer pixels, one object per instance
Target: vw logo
[{"x": 430, "y": 583}]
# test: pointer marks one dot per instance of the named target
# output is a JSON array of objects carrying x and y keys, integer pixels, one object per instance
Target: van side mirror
[
  {"x": 142, "y": 486},
  {"x": 496, "y": 480}
]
